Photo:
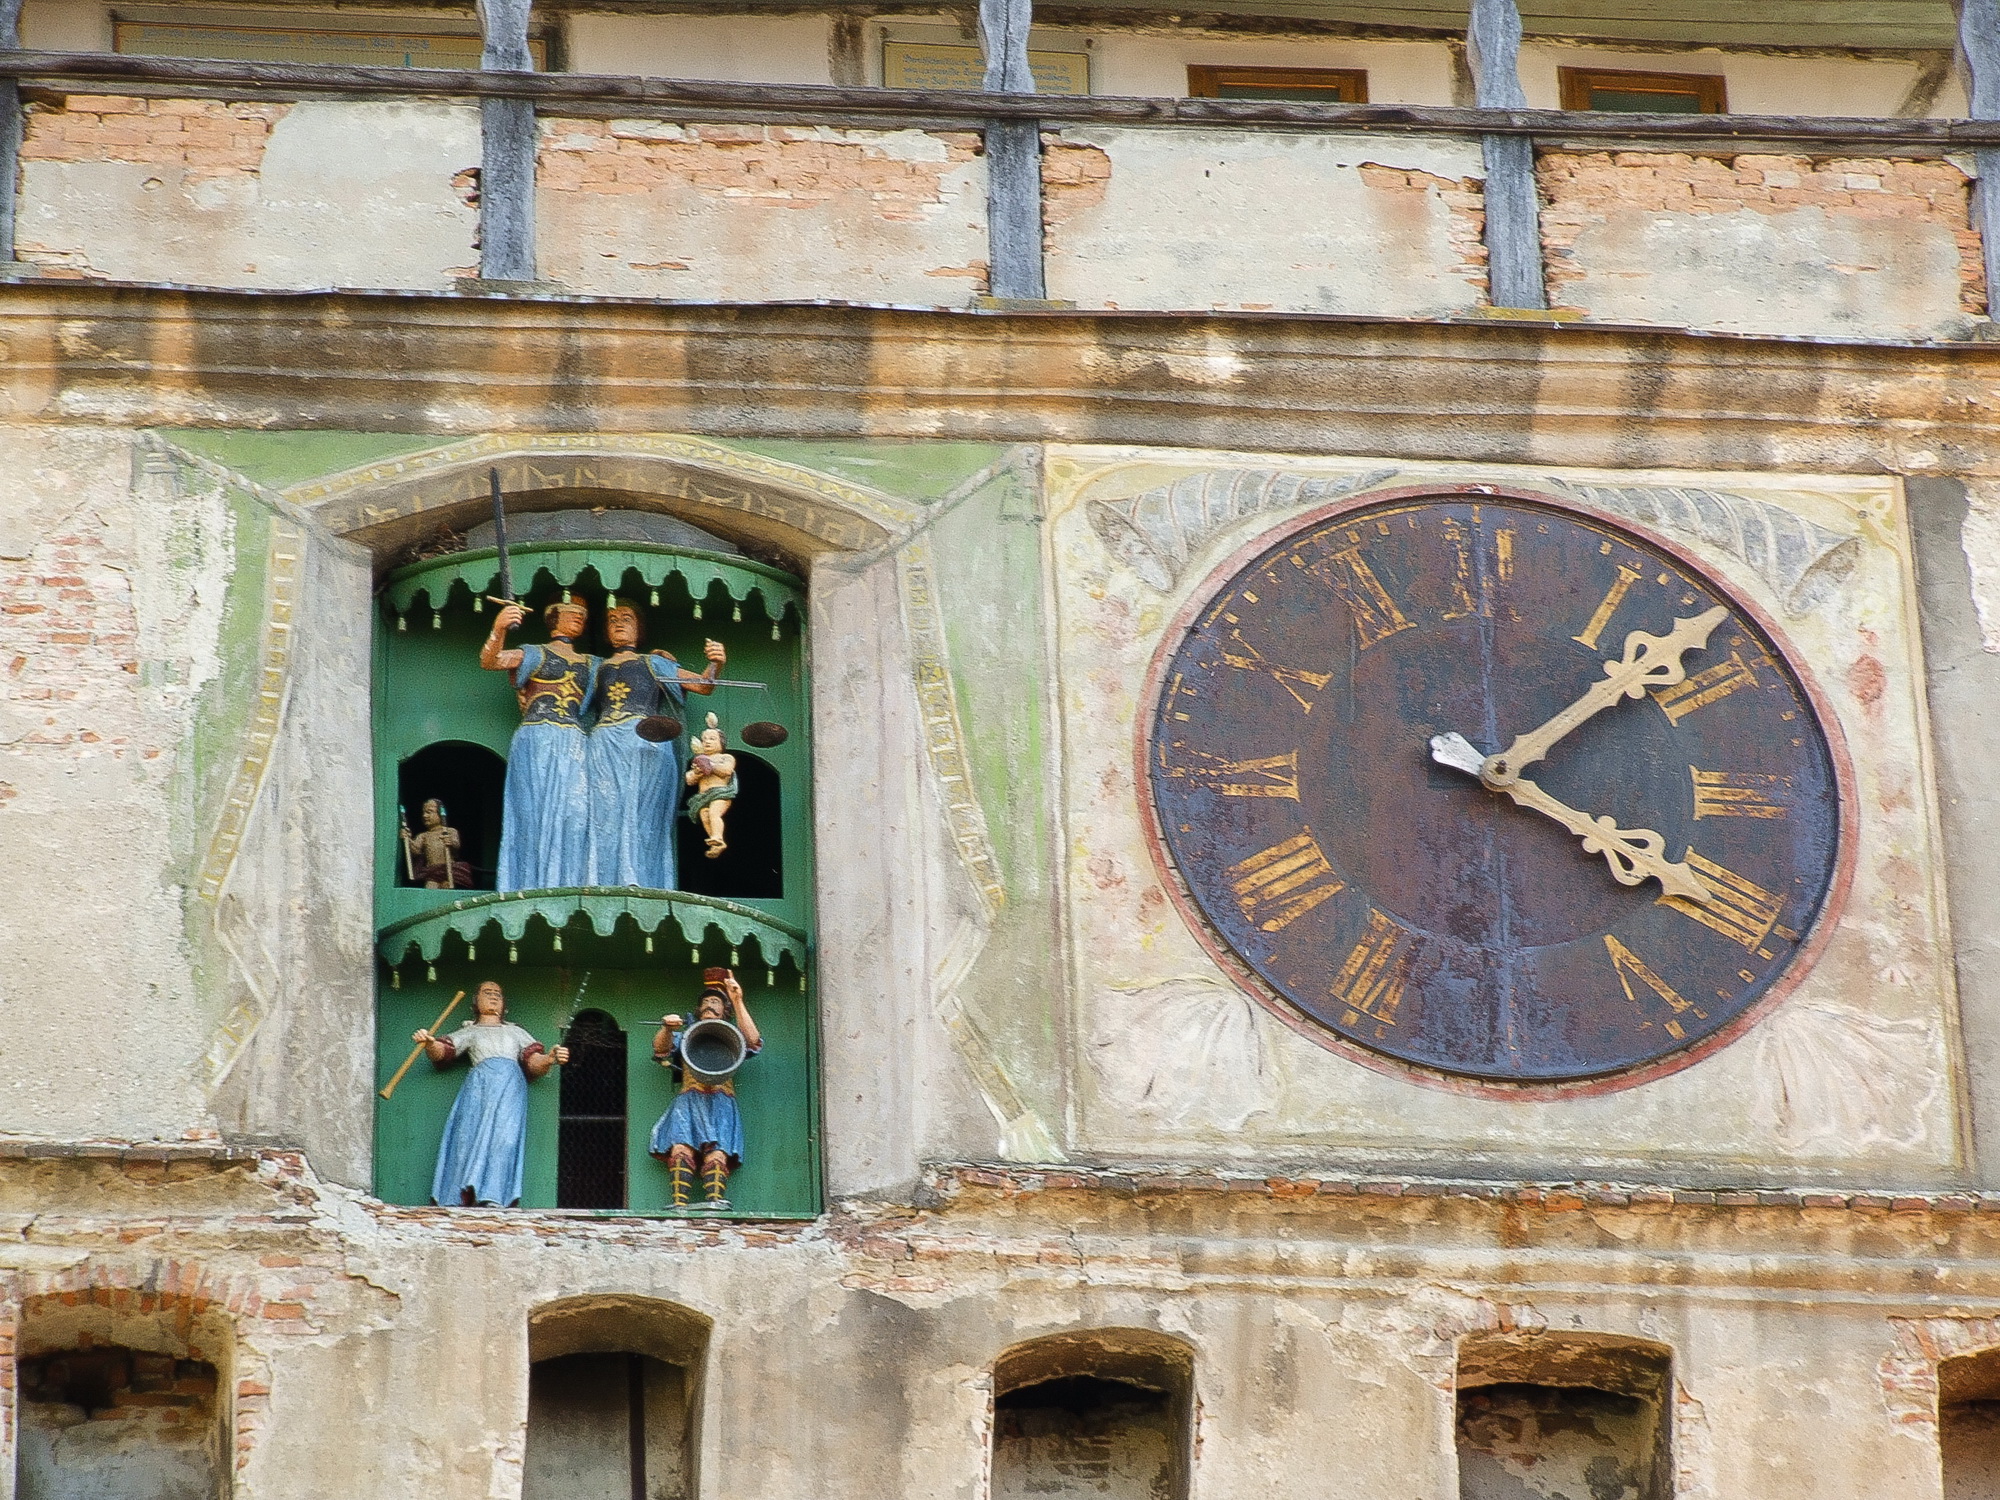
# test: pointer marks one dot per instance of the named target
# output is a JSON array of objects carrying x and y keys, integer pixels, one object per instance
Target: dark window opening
[
  {"x": 1106, "y": 1413},
  {"x": 608, "y": 1426},
  {"x": 754, "y": 863},
  {"x": 590, "y": 1134},
  {"x": 1619, "y": 92},
  {"x": 1969, "y": 1425},
  {"x": 119, "y": 1424},
  {"x": 1298, "y": 85},
  {"x": 470, "y": 781},
  {"x": 1584, "y": 1415}
]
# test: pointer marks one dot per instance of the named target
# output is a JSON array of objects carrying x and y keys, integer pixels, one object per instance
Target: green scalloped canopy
[
  {"x": 565, "y": 562},
  {"x": 604, "y": 907}
]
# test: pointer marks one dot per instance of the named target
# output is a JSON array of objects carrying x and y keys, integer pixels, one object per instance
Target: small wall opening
[
  {"x": 1108, "y": 1413},
  {"x": 613, "y": 1400},
  {"x": 470, "y": 780},
  {"x": 754, "y": 863},
  {"x": 121, "y": 1408},
  {"x": 1575, "y": 1414},
  {"x": 1969, "y": 1425},
  {"x": 590, "y": 1131}
]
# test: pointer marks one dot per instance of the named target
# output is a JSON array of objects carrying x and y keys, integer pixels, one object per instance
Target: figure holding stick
[
  {"x": 485, "y": 1147},
  {"x": 431, "y": 857},
  {"x": 417, "y": 1051}
]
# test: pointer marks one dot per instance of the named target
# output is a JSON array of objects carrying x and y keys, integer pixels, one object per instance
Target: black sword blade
[{"x": 500, "y": 536}]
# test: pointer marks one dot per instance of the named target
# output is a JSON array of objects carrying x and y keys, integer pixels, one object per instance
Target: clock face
[{"x": 1474, "y": 925}]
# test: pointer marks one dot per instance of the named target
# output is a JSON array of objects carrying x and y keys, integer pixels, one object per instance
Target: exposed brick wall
[
  {"x": 779, "y": 165},
  {"x": 1075, "y": 179},
  {"x": 204, "y": 137},
  {"x": 1582, "y": 189},
  {"x": 1465, "y": 199}
]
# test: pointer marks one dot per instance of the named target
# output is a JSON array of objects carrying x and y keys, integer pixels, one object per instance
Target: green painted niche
[{"x": 438, "y": 710}]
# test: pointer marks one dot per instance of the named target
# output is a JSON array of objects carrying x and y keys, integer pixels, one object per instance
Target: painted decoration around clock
[{"x": 1413, "y": 909}]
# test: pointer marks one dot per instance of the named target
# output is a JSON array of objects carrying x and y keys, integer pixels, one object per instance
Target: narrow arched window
[
  {"x": 1969, "y": 1425},
  {"x": 591, "y": 1135},
  {"x": 1576, "y": 1413},
  {"x": 1105, "y": 1413}
]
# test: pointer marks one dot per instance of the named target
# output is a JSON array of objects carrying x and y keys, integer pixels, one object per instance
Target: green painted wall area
[
  {"x": 913, "y": 470},
  {"x": 278, "y": 459}
]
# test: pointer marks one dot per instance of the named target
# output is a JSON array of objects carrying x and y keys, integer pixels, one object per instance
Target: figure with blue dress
[
  {"x": 485, "y": 1147},
  {"x": 703, "y": 1125},
  {"x": 545, "y": 820},
  {"x": 635, "y": 783}
]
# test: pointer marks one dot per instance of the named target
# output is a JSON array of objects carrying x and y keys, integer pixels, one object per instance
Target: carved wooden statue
[
  {"x": 485, "y": 1146},
  {"x": 713, "y": 777},
  {"x": 545, "y": 831},
  {"x": 431, "y": 857},
  {"x": 703, "y": 1125}
]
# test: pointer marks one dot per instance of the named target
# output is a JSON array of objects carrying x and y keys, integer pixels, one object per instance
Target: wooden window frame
[
  {"x": 1577, "y": 84},
  {"x": 1205, "y": 80}
]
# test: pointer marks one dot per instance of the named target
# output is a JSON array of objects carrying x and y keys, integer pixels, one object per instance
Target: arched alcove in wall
[
  {"x": 1969, "y": 1425},
  {"x": 614, "y": 1395},
  {"x": 122, "y": 1404},
  {"x": 1582, "y": 1411},
  {"x": 1102, "y": 1412}
]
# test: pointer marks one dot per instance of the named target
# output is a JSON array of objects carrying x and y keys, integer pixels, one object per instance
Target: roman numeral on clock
[
  {"x": 1607, "y": 608},
  {"x": 1372, "y": 980},
  {"x": 1260, "y": 776},
  {"x": 1278, "y": 885},
  {"x": 1629, "y": 967},
  {"x": 1705, "y": 687},
  {"x": 1247, "y": 658},
  {"x": 1737, "y": 794},
  {"x": 1347, "y": 573},
  {"x": 1742, "y": 911}
]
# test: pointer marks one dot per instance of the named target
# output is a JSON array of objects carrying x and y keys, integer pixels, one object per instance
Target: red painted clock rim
[{"x": 1810, "y": 949}]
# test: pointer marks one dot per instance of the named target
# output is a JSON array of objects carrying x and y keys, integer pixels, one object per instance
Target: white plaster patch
[{"x": 1981, "y": 540}]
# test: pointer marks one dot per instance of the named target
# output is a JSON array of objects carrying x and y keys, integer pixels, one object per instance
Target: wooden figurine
[
  {"x": 485, "y": 1146},
  {"x": 703, "y": 1125},
  {"x": 635, "y": 782},
  {"x": 545, "y": 827},
  {"x": 713, "y": 777},
  {"x": 431, "y": 857}
]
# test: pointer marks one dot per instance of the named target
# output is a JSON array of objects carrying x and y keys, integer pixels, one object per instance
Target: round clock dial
[{"x": 1492, "y": 787}]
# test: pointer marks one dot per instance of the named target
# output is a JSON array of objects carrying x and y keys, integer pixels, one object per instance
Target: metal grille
[{"x": 590, "y": 1139}]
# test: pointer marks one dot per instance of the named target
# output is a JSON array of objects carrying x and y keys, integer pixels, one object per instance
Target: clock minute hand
[{"x": 1649, "y": 661}]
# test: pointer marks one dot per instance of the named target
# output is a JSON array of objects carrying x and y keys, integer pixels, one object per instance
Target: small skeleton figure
[
  {"x": 713, "y": 777},
  {"x": 431, "y": 857}
]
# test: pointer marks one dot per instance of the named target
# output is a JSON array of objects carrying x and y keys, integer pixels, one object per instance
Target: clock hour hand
[
  {"x": 1648, "y": 661},
  {"x": 1635, "y": 855}
]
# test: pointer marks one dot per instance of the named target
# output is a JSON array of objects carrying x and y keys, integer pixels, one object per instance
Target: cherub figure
[
  {"x": 713, "y": 777},
  {"x": 433, "y": 854}
]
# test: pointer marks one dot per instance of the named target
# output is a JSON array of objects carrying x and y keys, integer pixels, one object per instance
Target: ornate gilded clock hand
[
  {"x": 1649, "y": 661},
  {"x": 1635, "y": 855}
]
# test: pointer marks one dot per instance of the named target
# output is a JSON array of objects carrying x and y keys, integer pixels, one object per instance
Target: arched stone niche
[
  {"x": 1593, "y": 1409},
  {"x": 614, "y": 1397},
  {"x": 1102, "y": 1412},
  {"x": 1968, "y": 1396}
]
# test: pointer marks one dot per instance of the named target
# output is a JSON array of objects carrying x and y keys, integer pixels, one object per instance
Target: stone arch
[
  {"x": 1597, "y": 1404},
  {"x": 1116, "y": 1404},
  {"x": 765, "y": 504},
  {"x": 1968, "y": 1420},
  {"x": 614, "y": 1384}
]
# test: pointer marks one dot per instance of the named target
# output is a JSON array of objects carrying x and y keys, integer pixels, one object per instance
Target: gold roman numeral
[
  {"x": 1247, "y": 658},
  {"x": 1738, "y": 794},
  {"x": 1609, "y": 607},
  {"x": 1282, "y": 883},
  {"x": 1628, "y": 966},
  {"x": 1372, "y": 980},
  {"x": 1261, "y": 776},
  {"x": 1376, "y": 617},
  {"x": 1705, "y": 687},
  {"x": 1464, "y": 575},
  {"x": 1742, "y": 911}
]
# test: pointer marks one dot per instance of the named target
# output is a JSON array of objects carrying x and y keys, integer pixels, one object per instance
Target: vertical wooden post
[
  {"x": 1013, "y": 158},
  {"x": 507, "y": 149},
  {"x": 10, "y": 130},
  {"x": 1513, "y": 208},
  {"x": 1979, "y": 35}
]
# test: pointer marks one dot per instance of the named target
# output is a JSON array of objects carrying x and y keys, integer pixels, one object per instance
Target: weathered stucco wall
[
  {"x": 1264, "y": 220},
  {"x": 1763, "y": 243},
  {"x": 218, "y": 193},
  {"x": 752, "y": 213}
]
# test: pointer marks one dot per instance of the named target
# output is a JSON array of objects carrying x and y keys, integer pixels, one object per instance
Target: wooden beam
[
  {"x": 1013, "y": 158},
  {"x": 10, "y": 130},
  {"x": 507, "y": 149},
  {"x": 1979, "y": 37},
  {"x": 703, "y": 99},
  {"x": 1514, "y": 276}
]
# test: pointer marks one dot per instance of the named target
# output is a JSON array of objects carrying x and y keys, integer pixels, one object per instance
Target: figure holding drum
[{"x": 702, "y": 1126}]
